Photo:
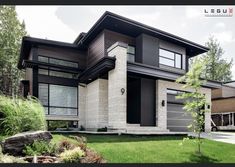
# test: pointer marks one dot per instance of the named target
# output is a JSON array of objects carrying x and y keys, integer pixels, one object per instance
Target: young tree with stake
[{"x": 195, "y": 101}]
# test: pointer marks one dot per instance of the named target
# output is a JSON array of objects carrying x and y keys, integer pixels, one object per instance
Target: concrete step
[{"x": 145, "y": 129}]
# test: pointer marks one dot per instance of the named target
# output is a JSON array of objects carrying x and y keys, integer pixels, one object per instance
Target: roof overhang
[
  {"x": 31, "y": 64},
  {"x": 29, "y": 42},
  {"x": 158, "y": 73},
  {"x": 133, "y": 28},
  {"x": 100, "y": 68}
]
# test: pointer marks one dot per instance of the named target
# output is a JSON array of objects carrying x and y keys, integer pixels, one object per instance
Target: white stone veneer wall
[
  {"x": 93, "y": 105},
  {"x": 162, "y": 86},
  {"x": 82, "y": 92},
  {"x": 117, "y": 79}
]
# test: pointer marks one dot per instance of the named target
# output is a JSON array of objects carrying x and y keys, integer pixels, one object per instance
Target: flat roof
[
  {"x": 133, "y": 28},
  {"x": 28, "y": 42}
]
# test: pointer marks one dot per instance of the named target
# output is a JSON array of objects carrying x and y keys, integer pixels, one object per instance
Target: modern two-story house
[{"x": 120, "y": 75}]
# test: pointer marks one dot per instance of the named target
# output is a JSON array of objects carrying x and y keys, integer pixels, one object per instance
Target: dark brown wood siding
[
  {"x": 112, "y": 37},
  {"x": 95, "y": 50},
  {"x": 64, "y": 54}
]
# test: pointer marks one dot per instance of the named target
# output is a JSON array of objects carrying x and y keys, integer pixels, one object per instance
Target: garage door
[{"x": 177, "y": 118}]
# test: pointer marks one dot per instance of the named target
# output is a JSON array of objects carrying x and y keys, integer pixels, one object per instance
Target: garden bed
[{"x": 63, "y": 149}]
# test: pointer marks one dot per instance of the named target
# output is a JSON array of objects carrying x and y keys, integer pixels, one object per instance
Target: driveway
[{"x": 227, "y": 137}]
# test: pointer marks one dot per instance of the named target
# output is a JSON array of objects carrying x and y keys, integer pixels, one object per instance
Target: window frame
[
  {"x": 174, "y": 59},
  {"x": 48, "y": 100},
  {"x": 129, "y": 53},
  {"x": 58, "y": 59},
  {"x": 48, "y": 68}
]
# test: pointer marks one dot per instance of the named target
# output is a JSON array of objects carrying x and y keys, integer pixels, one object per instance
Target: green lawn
[{"x": 159, "y": 149}]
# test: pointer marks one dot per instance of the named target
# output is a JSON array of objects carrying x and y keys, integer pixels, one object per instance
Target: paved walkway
[{"x": 227, "y": 137}]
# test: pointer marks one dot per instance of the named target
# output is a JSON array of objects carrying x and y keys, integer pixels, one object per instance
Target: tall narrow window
[{"x": 131, "y": 53}]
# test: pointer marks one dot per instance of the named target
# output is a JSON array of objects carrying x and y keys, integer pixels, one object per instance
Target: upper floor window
[
  {"x": 57, "y": 61},
  {"x": 170, "y": 58},
  {"x": 131, "y": 53},
  {"x": 51, "y": 72}
]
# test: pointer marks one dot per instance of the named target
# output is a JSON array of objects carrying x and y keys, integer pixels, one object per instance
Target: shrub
[
  {"x": 21, "y": 115},
  {"x": 40, "y": 148},
  {"x": 82, "y": 128},
  {"x": 81, "y": 140},
  {"x": 53, "y": 125},
  {"x": 66, "y": 145},
  {"x": 10, "y": 159},
  {"x": 105, "y": 129},
  {"x": 72, "y": 156}
]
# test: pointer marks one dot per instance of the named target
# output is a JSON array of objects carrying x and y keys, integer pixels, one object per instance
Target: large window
[
  {"x": 57, "y": 61},
  {"x": 131, "y": 53},
  {"x": 55, "y": 73},
  {"x": 58, "y": 100},
  {"x": 170, "y": 58}
]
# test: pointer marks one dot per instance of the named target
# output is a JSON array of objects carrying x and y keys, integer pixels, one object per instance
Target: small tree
[{"x": 195, "y": 101}]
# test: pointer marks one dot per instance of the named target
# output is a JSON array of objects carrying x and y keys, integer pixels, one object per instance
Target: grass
[{"x": 158, "y": 149}]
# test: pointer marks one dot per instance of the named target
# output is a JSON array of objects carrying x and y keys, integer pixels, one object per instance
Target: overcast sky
[{"x": 64, "y": 23}]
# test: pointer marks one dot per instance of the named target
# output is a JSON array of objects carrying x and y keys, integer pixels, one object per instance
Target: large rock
[{"x": 15, "y": 144}]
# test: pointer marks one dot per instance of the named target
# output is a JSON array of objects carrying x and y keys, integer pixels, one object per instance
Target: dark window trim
[
  {"x": 181, "y": 61},
  {"x": 129, "y": 53},
  {"x": 48, "y": 106},
  {"x": 49, "y": 70},
  {"x": 59, "y": 59}
]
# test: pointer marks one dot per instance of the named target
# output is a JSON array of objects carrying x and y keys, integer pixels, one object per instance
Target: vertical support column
[
  {"x": 117, "y": 81},
  {"x": 82, "y": 106},
  {"x": 208, "y": 114},
  {"x": 161, "y": 110}
]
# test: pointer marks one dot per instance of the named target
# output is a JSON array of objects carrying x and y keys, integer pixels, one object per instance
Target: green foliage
[
  {"x": 9, "y": 159},
  {"x": 72, "y": 156},
  {"x": 40, "y": 148},
  {"x": 216, "y": 68},
  {"x": 53, "y": 125},
  {"x": 66, "y": 145},
  {"x": 11, "y": 33},
  {"x": 195, "y": 100},
  {"x": 105, "y": 129},
  {"x": 21, "y": 115}
]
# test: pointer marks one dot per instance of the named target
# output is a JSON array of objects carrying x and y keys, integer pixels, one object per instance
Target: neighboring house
[
  {"x": 120, "y": 75},
  {"x": 223, "y": 106}
]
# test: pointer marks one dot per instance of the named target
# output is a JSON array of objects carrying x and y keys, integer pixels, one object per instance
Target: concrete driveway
[{"x": 227, "y": 137}]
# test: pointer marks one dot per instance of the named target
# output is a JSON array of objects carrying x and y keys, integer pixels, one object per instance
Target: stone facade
[
  {"x": 103, "y": 103},
  {"x": 93, "y": 105},
  {"x": 117, "y": 100},
  {"x": 162, "y": 95},
  {"x": 82, "y": 91}
]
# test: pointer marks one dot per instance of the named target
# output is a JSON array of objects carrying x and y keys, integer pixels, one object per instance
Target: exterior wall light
[
  {"x": 163, "y": 103},
  {"x": 208, "y": 106},
  {"x": 122, "y": 91}
]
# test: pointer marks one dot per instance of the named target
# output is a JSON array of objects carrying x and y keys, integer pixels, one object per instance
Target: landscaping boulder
[{"x": 14, "y": 145}]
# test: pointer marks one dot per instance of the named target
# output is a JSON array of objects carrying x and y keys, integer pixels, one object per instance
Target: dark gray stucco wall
[
  {"x": 147, "y": 48},
  {"x": 148, "y": 102}
]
